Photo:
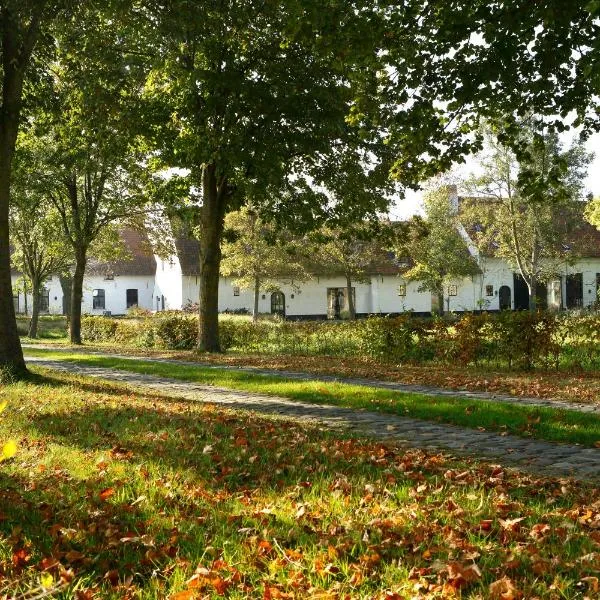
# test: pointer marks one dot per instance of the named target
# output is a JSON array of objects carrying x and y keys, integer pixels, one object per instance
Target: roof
[
  {"x": 139, "y": 262},
  {"x": 580, "y": 237},
  {"x": 188, "y": 252}
]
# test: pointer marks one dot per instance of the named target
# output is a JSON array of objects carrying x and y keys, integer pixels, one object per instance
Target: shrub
[
  {"x": 175, "y": 331},
  {"x": 98, "y": 329}
]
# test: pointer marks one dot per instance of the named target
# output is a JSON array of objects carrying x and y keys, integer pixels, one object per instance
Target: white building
[{"x": 150, "y": 282}]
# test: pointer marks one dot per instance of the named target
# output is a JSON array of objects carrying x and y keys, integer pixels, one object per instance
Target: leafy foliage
[{"x": 435, "y": 247}]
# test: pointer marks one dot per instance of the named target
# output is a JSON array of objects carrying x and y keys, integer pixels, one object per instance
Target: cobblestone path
[{"x": 545, "y": 458}]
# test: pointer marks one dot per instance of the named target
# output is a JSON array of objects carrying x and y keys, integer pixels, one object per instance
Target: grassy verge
[
  {"x": 116, "y": 494},
  {"x": 541, "y": 423}
]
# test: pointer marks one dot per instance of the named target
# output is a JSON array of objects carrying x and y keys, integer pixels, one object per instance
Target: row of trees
[
  {"x": 528, "y": 212},
  {"x": 310, "y": 115}
]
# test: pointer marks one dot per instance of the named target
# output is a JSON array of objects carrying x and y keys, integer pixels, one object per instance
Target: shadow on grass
[{"x": 119, "y": 485}]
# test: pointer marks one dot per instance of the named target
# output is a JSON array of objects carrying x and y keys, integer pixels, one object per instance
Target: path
[
  {"x": 426, "y": 390},
  {"x": 533, "y": 455}
]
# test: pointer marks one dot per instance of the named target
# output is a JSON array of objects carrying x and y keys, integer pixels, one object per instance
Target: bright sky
[{"x": 412, "y": 202}]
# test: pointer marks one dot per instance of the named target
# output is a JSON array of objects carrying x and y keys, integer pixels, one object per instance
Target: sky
[{"x": 412, "y": 203}]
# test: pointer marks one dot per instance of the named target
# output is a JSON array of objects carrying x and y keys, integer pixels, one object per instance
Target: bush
[
  {"x": 175, "y": 331},
  {"x": 98, "y": 329},
  {"x": 520, "y": 340}
]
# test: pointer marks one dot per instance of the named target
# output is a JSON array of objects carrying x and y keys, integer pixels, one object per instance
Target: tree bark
[
  {"x": 351, "y": 307},
  {"x": 532, "y": 287},
  {"x": 440, "y": 297},
  {"x": 212, "y": 219},
  {"x": 11, "y": 353},
  {"x": 35, "y": 310},
  {"x": 76, "y": 297},
  {"x": 66, "y": 284},
  {"x": 256, "y": 295}
]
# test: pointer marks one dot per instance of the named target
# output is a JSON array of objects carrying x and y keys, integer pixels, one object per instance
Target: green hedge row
[{"x": 512, "y": 339}]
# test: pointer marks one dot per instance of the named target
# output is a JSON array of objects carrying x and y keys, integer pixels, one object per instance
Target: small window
[
  {"x": 402, "y": 289},
  {"x": 489, "y": 290},
  {"x": 131, "y": 298},
  {"x": 98, "y": 299},
  {"x": 452, "y": 290},
  {"x": 236, "y": 290}
]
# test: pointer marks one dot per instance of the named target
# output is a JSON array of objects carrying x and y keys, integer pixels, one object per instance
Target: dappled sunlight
[{"x": 130, "y": 492}]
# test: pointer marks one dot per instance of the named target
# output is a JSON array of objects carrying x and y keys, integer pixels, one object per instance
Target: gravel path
[{"x": 545, "y": 458}]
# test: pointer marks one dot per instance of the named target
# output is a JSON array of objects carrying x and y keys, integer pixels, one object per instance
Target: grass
[
  {"x": 119, "y": 494},
  {"x": 542, "y": 423}
]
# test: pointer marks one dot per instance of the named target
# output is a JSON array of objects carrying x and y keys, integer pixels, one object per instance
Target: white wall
[
  {"x": 55, "y": 295},
  {"x": 169, "y": 282},
  {"x": 115, "y": 293}
]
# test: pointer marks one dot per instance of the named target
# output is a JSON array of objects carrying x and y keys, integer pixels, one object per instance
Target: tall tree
[
  {"x": 40, "y": 249},
  {"x": 351, "y": 252},
  {"x": 438, "y": 252},
  {"x": 82, "y": 148},
  {"x": 532, "y": 202},
  {"x": 258, "y": 256},
  {"x": 21, "y": 24}
]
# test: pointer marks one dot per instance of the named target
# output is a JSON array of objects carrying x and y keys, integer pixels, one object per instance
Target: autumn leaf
[
  {"x": 504, "y": 589},
  {"x": 8, "y": 450},
  {"x": 107, "y": 493}
]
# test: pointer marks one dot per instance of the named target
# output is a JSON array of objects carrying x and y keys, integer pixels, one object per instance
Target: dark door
[
  {"x": 575, "y": 290},
  {"x": 521, "y": 293},
  {"x": 504, "y": 297},
  {"x": 132, "y": 298},
  {"x": 541, "y": 295},
  {"x": 278, "y": 304}
]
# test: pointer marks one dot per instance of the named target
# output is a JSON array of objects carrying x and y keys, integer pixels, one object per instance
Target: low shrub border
[{"x": 516, "y": 340}]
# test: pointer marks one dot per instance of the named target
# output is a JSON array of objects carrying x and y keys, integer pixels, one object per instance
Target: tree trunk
[
  {"x": 532, "y": 287},
  {"x": 66, "y": 284},
  {"x": 440, "y": 297},
  {"x": 11, "y": 354},
  {"x": 351, "y": 307},
  {"x": 35, "y": 310},
  {"x": 77, "y": 297},
  {"x": 256, "y": 295},
  {"x": 211, "y": 229}
]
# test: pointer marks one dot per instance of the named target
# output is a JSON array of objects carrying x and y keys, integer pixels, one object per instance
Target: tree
[
  {"x": 21, "y": 23},
  {"x": 257, "y": 256},
  {"x": 350, "y": 251},
  {"x": 438, "y": 252},
  {"x": 40, "y": 248},
  {"x": 82, "y": 148},
  {"x": 532, "y": 202}
]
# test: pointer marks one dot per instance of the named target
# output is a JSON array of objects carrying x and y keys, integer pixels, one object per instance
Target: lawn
[
  {"x": 118, "y": 494},
  {"x": 542, "y": 423}
]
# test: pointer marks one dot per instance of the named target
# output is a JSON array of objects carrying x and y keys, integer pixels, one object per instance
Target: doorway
[
  {"x": 278, "y": 304},
  {"x": 504, "y": 297}
]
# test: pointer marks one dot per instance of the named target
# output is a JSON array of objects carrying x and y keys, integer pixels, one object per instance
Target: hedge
[{"x": 520, "y": 340}]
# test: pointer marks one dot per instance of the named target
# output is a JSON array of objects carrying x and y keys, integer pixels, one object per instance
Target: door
[
  {"x": 575, "y": 290},
  {"x": 521, "y": 293},
  {"x": 336, "y": 302},
  {"x": 504, "y": 297},
  {"x": 278, "y": 304},
  {"x": 131, "y": 298}
]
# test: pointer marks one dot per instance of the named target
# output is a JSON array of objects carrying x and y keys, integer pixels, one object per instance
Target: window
[
  {"x": 402, "y": 289},
  {"x": 98, "y": 299},
  {"x": 131, "y": 297},
  {"x": 236, "y": 290},
  {"x": 489, "y": 290},
  {"x": 44, "y": 300},
  {"x": 452, "y": 290}
]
